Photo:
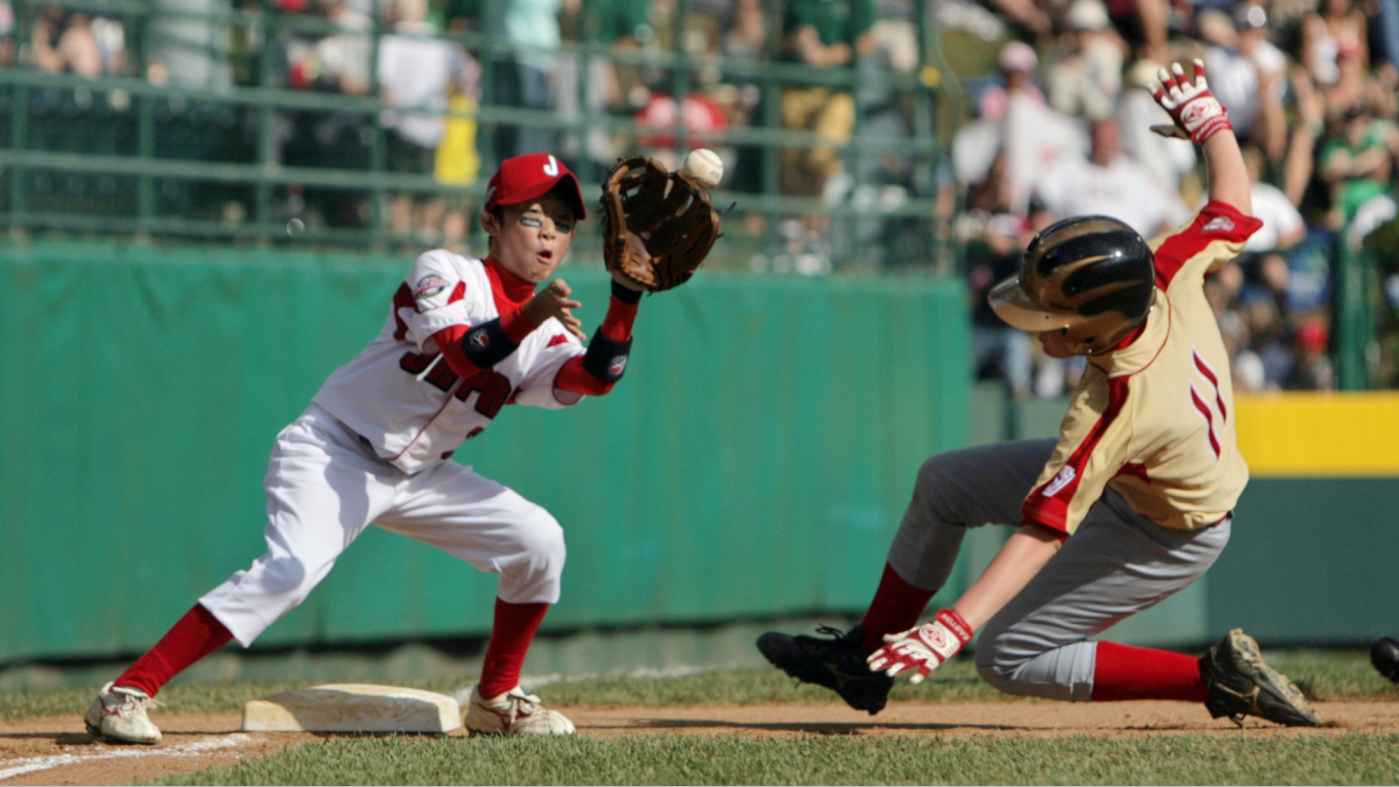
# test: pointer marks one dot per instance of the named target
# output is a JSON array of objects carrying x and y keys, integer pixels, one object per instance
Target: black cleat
[
  {"x": 837, "y": 662},
  {"x": 1384, "y": 654},
  {"x": 1240, "y": 684}
]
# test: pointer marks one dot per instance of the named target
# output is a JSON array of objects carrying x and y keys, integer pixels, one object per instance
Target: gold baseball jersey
[{"x": 1154, "y": 419}]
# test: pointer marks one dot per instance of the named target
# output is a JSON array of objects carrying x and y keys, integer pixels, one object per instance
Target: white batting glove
[
  {"x": 922, "y": 648},
  {"x": 1197, "y": 113}
]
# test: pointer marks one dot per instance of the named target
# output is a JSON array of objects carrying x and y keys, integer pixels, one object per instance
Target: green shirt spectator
[
  {"x": 1356, "y": 162},
  {"x": 615, "y": 19},
  {"x": 838, "y": 25}
]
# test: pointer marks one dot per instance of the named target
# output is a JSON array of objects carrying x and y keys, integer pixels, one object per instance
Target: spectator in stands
[
  {"x": 418, "y": 72},
  {"x": 1087, "y": 79},
  {"x": 1017, "y": 63},
  {"x": 64, "y": 41},
  {"x": 1111, "y": 184},
  {"x": 1283, "y": 226},
  {"x": 1247, "y": 75},
  {"x": 1165, "y": 158},
  {"x": 7, "y": 28},
  {"x": 1338, "y": 29},
  {"x": 821, "y": 36},
  {"x": 524, "y": 78},
  {"x": 1144, "y": 24},
  {"x": 1356, "y": 162},
  {"x": 1311, "y": 368},
  {"x": 993, "y": 237},
  {"x": 189, "y": 44}
]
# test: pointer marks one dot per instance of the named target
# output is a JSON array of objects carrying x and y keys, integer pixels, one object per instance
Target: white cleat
[
  {"x": 513, "y": 713},
  {"x": 119, "y": 715}
]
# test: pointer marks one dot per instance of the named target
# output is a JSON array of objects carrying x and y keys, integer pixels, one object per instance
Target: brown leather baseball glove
[{"x": 658, "y": 225}]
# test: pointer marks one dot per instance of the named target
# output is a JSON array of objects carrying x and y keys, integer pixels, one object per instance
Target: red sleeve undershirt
[{"x": 617, "y": 326}]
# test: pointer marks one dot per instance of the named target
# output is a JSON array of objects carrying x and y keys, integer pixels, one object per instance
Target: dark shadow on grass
[{"x": 817, "y": 727}]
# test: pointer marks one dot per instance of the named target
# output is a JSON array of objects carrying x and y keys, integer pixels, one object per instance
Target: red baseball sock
[
  {"x": 193, "y": 637},
  {"x": 896, "y": 607},
  {"x": 511, "y": 635},
  {"x": 1125, "y": 672}
]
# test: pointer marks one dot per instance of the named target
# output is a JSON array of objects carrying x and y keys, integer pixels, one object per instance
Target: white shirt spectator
[
  {"x": 1282, "y": 224},
  {"x": 416, "y": 72},
  {"x": 1124, "y": 190},
  {"x": 1234, "y": 79},
  {"x": 1166, "y": 158}
]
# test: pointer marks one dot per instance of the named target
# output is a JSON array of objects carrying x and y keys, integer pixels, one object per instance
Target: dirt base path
[{"x": 56, "y": 750}]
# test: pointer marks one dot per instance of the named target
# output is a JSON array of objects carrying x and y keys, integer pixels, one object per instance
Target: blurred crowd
[
  {"x": 1062, "y": 128},
  {"x": 1056, "y": 126}
]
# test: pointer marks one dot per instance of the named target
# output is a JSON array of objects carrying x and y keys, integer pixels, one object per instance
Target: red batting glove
[
  {"x": 922, "y": 648},
  {"x": 1190, "y": 104}
]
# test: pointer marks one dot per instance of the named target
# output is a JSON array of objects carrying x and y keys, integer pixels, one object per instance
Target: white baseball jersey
[{"x": 400, "y": 394}]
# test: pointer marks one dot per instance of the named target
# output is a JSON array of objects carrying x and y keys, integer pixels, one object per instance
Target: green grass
[
  {"x": 1325, "y": 675},
  {"x": 814, "y": 759}
]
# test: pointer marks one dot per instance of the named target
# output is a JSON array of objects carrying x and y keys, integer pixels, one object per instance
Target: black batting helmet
[{"x": 1091, "y": 276}]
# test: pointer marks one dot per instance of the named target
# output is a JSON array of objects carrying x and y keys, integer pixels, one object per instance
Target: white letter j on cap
[{"x": 551, "y": 168}]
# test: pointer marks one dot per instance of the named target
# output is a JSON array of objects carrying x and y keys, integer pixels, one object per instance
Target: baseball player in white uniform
[
  {"x": 462, "y": 338},
  {"x": 1130, "y": 504}
]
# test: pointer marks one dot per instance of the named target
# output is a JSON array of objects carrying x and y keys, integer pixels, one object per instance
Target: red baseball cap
[{"x": 529, "y": 177}]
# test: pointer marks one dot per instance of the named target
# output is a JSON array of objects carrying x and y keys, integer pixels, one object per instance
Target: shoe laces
[
  {"x": 130, "y": 702},
  {"x": 831, "y": 631},
  {"x": 525, "y": 702}
]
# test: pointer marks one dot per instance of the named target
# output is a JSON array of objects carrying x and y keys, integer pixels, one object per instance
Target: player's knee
[
  {"x": 999, "y": 659},
  {"x": 284, "y": 576},
  {"x": 936, "y": 482},
  {"x": 542, "y": 542}
]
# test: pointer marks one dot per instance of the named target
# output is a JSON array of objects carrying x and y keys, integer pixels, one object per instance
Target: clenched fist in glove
[
  {"x": 1198, "y": 115},
  {"x": 922, "y": 648}
]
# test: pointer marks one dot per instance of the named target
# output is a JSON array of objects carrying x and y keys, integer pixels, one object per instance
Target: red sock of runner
[
  {"x": 896, "y": 607},
  {"x": 1126, "y": 672},
  {"x": 193, "y": 637},
  {"x": 511, "y": 635}
]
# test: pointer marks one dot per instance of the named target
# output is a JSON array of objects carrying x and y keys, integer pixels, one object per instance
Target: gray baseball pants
[{"x": 1116, "y": 564}]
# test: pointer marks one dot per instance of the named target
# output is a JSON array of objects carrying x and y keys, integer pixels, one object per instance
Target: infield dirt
[{"x": 56, "y": 750}]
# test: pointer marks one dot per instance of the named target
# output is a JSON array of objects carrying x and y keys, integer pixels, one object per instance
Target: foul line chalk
[{"x": 32, "y": 764}]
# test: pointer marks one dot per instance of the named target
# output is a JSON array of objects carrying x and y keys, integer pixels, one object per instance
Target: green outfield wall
[
  {"x": 754, "y": 461},
  {"x": 753, "y": 464}
]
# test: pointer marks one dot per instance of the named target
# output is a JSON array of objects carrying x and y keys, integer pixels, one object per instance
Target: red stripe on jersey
[
  {"x": 557, "y": 340},
  {"x": 458, "y": 292},
  {"x": 1214, "y": 380},
  {"x": 1209, "y": 419},
  {"x": 1052, "y": 511},
  {"x": 1216, "y": 221},
  {"x": 402, "y": 299}
]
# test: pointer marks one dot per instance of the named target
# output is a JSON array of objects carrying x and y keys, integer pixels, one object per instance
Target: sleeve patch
[
  {"x": 557, "y": 340},
  {"x": 430, "y": 292}
]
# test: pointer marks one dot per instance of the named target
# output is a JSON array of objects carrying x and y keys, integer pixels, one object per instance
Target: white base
[{"x": 353, "y": 707}]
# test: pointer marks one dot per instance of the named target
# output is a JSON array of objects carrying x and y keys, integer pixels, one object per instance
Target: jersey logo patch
[
  {"x": 1219, "y": 224},
  {"x": 427, "y": 291},
  {"x": 1064, "y": 477}
]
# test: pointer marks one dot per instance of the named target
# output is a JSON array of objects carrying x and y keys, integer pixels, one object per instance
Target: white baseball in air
[{"x": 704, "y": 166}]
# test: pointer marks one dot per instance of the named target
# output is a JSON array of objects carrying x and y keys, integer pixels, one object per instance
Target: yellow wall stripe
[{"x": 1320, "y": 434}]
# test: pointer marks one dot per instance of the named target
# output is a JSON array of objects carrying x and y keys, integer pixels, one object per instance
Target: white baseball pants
[
  {"x": 1116, "y": 564},
  {"x": 325, "y": 486}
]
